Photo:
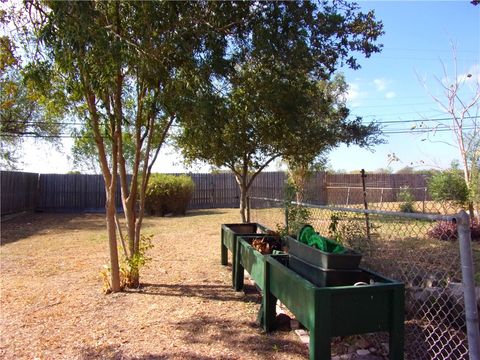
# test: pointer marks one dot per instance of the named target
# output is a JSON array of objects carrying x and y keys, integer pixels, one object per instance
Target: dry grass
[{"x": 52, "y": 306}]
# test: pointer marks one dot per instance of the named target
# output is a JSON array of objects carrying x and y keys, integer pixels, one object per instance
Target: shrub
[
  {"x": 447, "y": 230},
  {"x": 168, "y": 194},
  {"x": 448, "y": 185},
  {"x": 297, "y": 215},
  {"x": 407, "y": 200},
  {"x": 349, "y": 231}
]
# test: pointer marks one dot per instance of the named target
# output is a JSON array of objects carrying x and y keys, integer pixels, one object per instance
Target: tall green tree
[
  {"x": 279, "y": 99},
  {"x": 125, "y": 65}
]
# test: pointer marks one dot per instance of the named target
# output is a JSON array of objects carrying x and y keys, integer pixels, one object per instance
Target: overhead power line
[
  {"x": 413, "y": 131},
  {"x": 386, "y": 132},
  {"x": 424, "y": 120},
  {"x": 378, "y": 121}
]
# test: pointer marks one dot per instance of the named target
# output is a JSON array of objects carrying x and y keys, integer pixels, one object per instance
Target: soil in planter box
[{"x": 266, "y": 245}]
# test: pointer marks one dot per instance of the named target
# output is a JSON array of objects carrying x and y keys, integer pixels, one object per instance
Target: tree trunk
[
  {"x": 112, "y": 242},
  {"x": 468, "y": 181},
  {"x": 130, "y": 217},
  {"x": 243, "y": 187},
  {"x": 243, "y": 203}
]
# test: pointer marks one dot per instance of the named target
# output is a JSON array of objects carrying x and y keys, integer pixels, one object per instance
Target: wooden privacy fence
[
  {"x": 72, "y": 192},
  {"x": 347, "y": 189},
  {"x": 76, "y": 192},
  {"x": 19, "y": 191}
]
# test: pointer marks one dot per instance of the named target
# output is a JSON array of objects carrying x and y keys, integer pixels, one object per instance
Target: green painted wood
[
  {"x": 228, "y": 240},
  {"x": 250, "y": 260},
  {"x": 269, "y": 302},
  {"x": 397, "y": 330},
  {"x": 294, "y": 291},
  {"x": 320, "y": 332},
  {"x": 363, "y": 311},
  {"x": 223, "y": 249},
  {"x": 336, "y": 311}
]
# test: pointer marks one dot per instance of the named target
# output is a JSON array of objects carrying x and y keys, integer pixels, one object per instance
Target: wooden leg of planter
[
  {"x": 223, "y": 252},
  {"x": 397, "y": 329},
  {"x": 239, "y": 272},
  {"x": 234, "y": 261},
  {"x": 269, "y": 302},
  {"x": 320, "y": 342}
]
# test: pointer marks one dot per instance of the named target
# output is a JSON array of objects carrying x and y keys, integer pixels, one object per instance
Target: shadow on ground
[
  {"x": 29, "y": 224},
  {"x": 204, "y": 291},
  {"x": 255, "y": 344},
  {"x": 113, "y": 352},
  {"x": 25, "y": 225}
]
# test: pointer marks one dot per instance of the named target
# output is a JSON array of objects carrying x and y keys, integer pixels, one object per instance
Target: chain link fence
[{"x": 422, "y": 251}]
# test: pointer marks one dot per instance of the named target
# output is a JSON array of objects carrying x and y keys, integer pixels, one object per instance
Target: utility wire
[
  {"x": 378, "y": 122},
  {"x": 423, "y": 120},
  {"x": 386, "y": 132}
]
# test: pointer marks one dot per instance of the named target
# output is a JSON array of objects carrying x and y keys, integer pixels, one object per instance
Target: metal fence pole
[
  {"x": 471, "y": 313},
  {"x": 248, "y": 208},
  {"x": 365, "y": 203},
  {"x": 286, "y": 219}
]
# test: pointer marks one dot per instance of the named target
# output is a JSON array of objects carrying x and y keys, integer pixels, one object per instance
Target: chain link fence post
[
  {"x": 468, "y": 279},
  {"x": 365, "y": 204}
]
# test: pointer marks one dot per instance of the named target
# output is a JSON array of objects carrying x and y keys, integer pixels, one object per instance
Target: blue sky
[
  {"x": 387, "y": 88},
  {"x": 418, "y": 36}
]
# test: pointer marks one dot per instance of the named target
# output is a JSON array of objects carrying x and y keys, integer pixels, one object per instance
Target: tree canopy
[{"x": 279, "y": 97}]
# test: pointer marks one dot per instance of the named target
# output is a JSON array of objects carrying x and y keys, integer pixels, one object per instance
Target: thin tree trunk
[
  {"x": 110, "y": 179},
  {"x": 112, "y": 242},
  {"x": 243, "y": 187},
  {"x": 243, "y": 203}
]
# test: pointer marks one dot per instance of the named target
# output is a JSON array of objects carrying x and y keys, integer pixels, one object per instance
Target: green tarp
[{"x": 307, "y": 235}]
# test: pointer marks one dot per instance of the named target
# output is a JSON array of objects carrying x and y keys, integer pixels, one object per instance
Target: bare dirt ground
[{"x": 52, "y": 305}]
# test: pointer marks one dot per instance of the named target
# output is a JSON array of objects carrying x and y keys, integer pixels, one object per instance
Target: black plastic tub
[
  {"x": 327, "y": 277},
  {"x": 348, "y": 260}
]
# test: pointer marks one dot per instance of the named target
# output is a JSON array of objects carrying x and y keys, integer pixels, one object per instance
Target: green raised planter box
[
  {"x": 228, "y": 240},
  {"x": 334, "y": 310}
]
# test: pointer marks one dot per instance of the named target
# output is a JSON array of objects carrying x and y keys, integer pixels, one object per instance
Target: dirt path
[{"x": 52, "y": 306}]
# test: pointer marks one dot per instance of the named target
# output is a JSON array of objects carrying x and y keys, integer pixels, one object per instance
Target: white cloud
[
  {"x": 355, "y": 95},
  {"x": 390, "y": 95},
  {"x": 353, "y": 92},
  {"x": 381, "y": 84}
]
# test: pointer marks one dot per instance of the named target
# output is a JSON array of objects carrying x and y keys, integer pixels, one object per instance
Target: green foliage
[
  {"x": 407, "y": 200},
  {"x": 448, "y": 185},
  {"x": 279, "y": 98},
  {"x": 168, "y": 194},
  {"x": 406, "y": 170},
  {"x": 24, "y": 110},
  {"x": 349, "y": 231},
  {"x": 129, "y": 267},
  {"x": 296, "y": 215},
  {"x": 345, "y": 229}
]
